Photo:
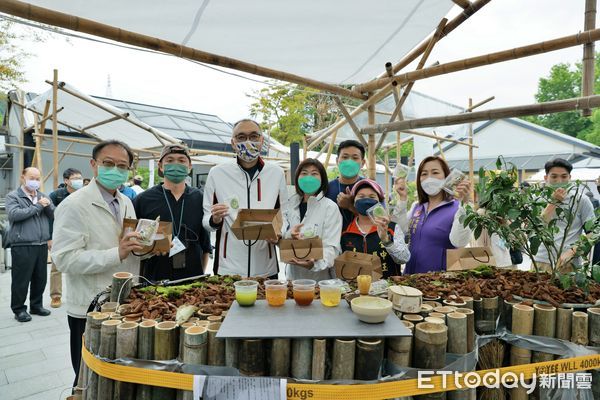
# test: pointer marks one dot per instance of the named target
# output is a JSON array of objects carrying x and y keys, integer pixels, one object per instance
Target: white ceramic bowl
[{"x": 372, "y": 310}]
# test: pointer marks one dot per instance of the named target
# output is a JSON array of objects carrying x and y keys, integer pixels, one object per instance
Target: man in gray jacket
[{"x": 29, "y": 213}]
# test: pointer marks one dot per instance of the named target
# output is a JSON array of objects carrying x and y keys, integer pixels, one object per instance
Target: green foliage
[{"x": 145, "y": 173}]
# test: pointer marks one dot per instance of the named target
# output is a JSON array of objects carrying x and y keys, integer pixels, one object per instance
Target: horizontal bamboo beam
[
  {"x": 487, "y": 115},
  {"x": 18, "y": 146},
  {"x": 487, "y": 59},
  {"x": 462, "y": 3},
  {"x": 55, "y": 18},
  {"x": 106, "y": 121},
  {"x": 482, "y": 102}
]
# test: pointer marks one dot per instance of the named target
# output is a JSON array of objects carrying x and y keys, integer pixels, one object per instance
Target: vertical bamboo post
[
  {"x": 386, "y": 160},
  {"x": 166, "y": 346},
  {"x": 470, "y": 314},
  {"x": 330, "y": 148},
  {"x": 127, "y": 335},
  {"x": 522, "y": 324},
  {"x": 121, "y": 286},
  {"x": 252, "y": 357},
  {"x": 280, "y": 357},
  {"x": 302, "y": 358},
  {"x": 319, "y": 359},
  {"x": 232, "y": 349},
  {"x": 194, "y": 351},
  {"x": 371, "y": 150},
  {"x": 579, "y": 329},
  {"x": 430, "y": 350},
  {"x": 343, "y": 359},
  {"x": 145, "y": 352},
  {"x": 564, "y": 321},
  {"x": 399, "y": 349},
  {"x": 55, "y": 128},
  {"x": 216, "y": 347},
  {"x": 471, "y": 156},
  {"x": 398, "y": 148},
  {"x": 544, "y": 325},
  {"x": 91, "y": 392},
  {"x": 594, "y": 326},
  {"x": 108, "y": 347},
  {"x": 587, "y": 76}
]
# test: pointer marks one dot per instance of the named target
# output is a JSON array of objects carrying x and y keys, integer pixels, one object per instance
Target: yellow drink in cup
[
  {"x": 245, "y": 292},
  {"x": 276, "y": 292},
  {"x": 330, "y": 292},
  {"x": 364, "y": 284}
]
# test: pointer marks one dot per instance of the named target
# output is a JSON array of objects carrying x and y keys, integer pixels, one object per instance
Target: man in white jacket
[
  {"x": 87, "y": 244},
  {"x": 249, "y": 183}
]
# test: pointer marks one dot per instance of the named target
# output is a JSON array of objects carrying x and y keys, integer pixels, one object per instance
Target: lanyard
[{"x": 171, "y": 212}]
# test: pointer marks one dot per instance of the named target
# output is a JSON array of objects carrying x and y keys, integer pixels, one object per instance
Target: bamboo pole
[
  {"x": 471, "y": 155},
  {"x": 232, "y": 349},
  {"x": 166, "y": 346},
  {"x": 371, "y": 149},
  {"x": 41, "y": 130},
  {"x": 104, "y": 122},
  {"x": 194, "y": 351},
  {"x": 301, "y": 364},
  {"x": 470, "y": 336},
  {"x": 498, "y": 113},
  {"x": 430, "y": 350},
  {"x": 431, "y": 136},
  {"x": 462, "y": 3},
  {"x": 587, "y": 76},
  {"x": 579, "y": 329},
  {"x": 544, "y": 325},
  {"x": 108, "y": 347},
  {"x": 522, "y": 324},
  {"x": 369, "y": 358},
  {"x": 145, "y": 352},
  {"x": 564, "y": 321},
  {"x": 343, "y": 359},
  {"x": 594, "y": 326},
  {"x": 330, "y": 148},
  {"x": 55, "y": 128},
  {"x": 37, "y": 157},
  {"x": 457, "y": 333},
  {"x": 216, "y": 347},
  {"x": 319, "y": 359},
  {"x": 386, "y": 161},
  {"x": 564, "y": 42},
  {"x": 399, "y": 349},
  {"x": 62, "y": 157},
  {"x": 252, "y": 357},
  {"x": 22, "y": 132},
  {"x": 121, "y": 286},
  {"x": 91, "y": 391},
  {"x": 126, "y": 347},
  {"x": 280, "y": 357},
  {"x": 351, "y": 122}
]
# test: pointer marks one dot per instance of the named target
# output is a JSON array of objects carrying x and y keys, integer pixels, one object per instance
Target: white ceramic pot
[{"x": 405, "y": 298}]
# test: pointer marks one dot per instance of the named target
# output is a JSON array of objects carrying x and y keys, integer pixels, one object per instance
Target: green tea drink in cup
[
  {"x": 330, "y": 291},
  {"x": 245, "y": 292}
]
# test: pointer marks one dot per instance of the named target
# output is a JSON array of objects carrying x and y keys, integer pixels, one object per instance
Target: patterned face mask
[{"x": 248, "y": 151}]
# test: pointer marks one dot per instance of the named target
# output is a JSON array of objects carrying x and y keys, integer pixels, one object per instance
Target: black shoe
[
  {"x": 40, "y": 311},
  {"x": 23, "y": 316}
]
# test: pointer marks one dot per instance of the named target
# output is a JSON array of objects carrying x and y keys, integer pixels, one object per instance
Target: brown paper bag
[
  {"x": 469, "y": 258},
  {"x": 303, "y": 249},
  {"x": 161, "y": 245},
  {"x": 350, "y": 264},
  {"x": 257, "y": 224}
]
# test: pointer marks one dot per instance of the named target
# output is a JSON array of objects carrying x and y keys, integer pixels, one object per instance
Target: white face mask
[{"x": 432, "y": 186}]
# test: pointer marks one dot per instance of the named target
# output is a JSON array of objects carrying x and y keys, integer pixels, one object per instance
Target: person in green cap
[
  {"x": 350, "y": 159},
  {"x": 180, "y": 204}
]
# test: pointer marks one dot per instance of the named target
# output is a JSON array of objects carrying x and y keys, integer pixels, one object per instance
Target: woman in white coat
[{"x": 308, "y": 214}]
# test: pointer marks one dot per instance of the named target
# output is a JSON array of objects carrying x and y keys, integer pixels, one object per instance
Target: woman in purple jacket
[{"x": 432, "y": 225}]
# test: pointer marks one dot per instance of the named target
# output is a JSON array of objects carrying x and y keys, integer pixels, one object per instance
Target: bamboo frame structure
[
  {"x": 587, "y": 76},
  {"x": 55, "y": 128},
  {"x": 462, "y": 3},
  {"x": 351, "y": 122}
]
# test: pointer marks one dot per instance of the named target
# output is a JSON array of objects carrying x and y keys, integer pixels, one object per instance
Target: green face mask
[
  {"x": 349, "y": 168},
  {"x": 112, "y": 178},
  {"x": 176, "y": 173},
  {"x": 309, "y": 184}
]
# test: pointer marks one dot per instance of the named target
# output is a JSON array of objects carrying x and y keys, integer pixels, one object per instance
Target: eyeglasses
[
  {"x": 111, "y": 164},
  {"x": 253, "y": 137}
]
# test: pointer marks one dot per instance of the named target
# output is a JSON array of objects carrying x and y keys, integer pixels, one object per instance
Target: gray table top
[{"x": 313, "y": 321}]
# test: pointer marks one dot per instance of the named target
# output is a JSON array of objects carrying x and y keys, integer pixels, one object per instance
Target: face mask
[
  {"x": 248, "y": 151},
  {"x": 349, "y": 168},
  {"x": 77, "y": 184},
  {"x": 362, "y": 205},
  {"x": 309, "y": 184},
  {"x": 176, "y": 173},
  {"x": 432, "y": 186},
  {"x": 32, "y": 185},
  {"x": 111, "y": 178}
]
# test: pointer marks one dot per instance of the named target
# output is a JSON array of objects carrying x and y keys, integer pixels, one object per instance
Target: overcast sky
[{"x": 167, "y": 81}]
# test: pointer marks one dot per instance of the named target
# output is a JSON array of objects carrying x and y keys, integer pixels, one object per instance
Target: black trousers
[
  {"x": 77, "y": 328},
  {"x": 29, "y": 266}
]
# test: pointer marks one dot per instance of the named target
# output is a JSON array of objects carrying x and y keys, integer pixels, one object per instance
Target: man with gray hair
[{"x": 249, "y": 183}]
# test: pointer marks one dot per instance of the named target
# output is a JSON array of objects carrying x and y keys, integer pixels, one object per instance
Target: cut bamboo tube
[
  {"x": 203, "y": 323},
  {"x": 193, "y": 319},
  {"x": 109, "y": 307},
  {"x": 319, "y": 359},
  {"x": 507, "y": 307},
  {"x": 522, "y": 324},
  {"x": 369, "y": 357},
  {"x": 83, "y": 369},
  {"x": 438, "y": 315},
  {"x": 399, "y": 349},
  {"x": 544, "y": 325},
  {"x": 594, "y": 326},
  {"x": 445, "y": 309},
  {"x": 414, "y": 318},
  {"x": 435, "y": 320},
  {"x": 430, "y": 350},
  {"x": 145, "y": 352},
  {"x": 457, "y": 333},
  {"x": 425, "y": 310},
  {"x": 166, "y": 347},
  {"x": 470, "y": 327},
  {"x": 203, "y": 315},
  {"x": 587, "y": 76},
  {"x": 232, "y": 349},
  {"x": 455, "y": 303},
  {"x": 432, "y": 303},
  {"x": 579, "y": 329},
  {"x": 252, "y": 357},
  {"x": 108, "y": 347},
  {"x": 280, "y": 357},
  {"x": 214, "y": 318},
  {"x": 127, "y": 336},
  {"x": 121, "y": 286},
  {"x": 343, "y": 359},
  {"x": 301, "y": 364},
  {"x": 182, "y": 329},
  {"x": 216, "y": 347},
  {"x": 564, "y": 321},
  {"x": 194, "y": 351},
  {"x": 468, "y": 302},
  {"x": 489, "y": 316},
  {"x": 91, "y": 391}
]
